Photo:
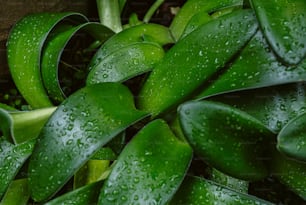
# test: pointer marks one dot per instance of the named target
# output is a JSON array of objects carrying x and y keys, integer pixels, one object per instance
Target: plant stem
[
  {"x": 70, "y": 66},
  {"x": 109, "y": 14},
  {"x": 152, "y": 10}
]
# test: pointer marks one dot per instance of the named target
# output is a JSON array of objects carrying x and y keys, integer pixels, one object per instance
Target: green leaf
[
  {"x": 194, "y": 7},
  {"x": 128, "y": 62},
  {"x": 158, "y": 34},
  {"x": 24, "y": 47},
  {"x": 274, "y": 106},
  {"x": 194, "y": 59},
  {"x": 6, "y": 107},
  {"x": 84, "y": 195},
  {"x": 105, "y": 153},
  {"x": 257, "y": 66},
  {"x": 230, "y": 182},
  {"x": 17, "y": 193},
  {"x": 291, "y": 140},
  {"x": 116, "y": 145},
  {"x": 81, "y": 125},
  {"x": 149, "y": 169},
  {"x": 21, "y": 126},
  {"x": 290, "y": 172},
  {"x": 228, "y": 139},
  {"x": 199, "y": 191},
  {"x": 97, "y": 167},
  {"x": 283, "y": 23},
  {"x": 53, "y": 48},
  {"x": 11, "y": 160},
  {"x": 94, "y": 170},
  {"x": 196, "y": 21},
  {"x": 203, "y": 17}
]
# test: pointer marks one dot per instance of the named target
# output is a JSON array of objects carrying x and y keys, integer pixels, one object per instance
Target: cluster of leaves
[{"x": 206, "y": 111}]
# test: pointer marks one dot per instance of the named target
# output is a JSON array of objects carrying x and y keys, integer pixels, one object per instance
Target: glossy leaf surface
[
  {"x": 24, "y": 51},
  {"x": 84, "y": 195},
  {"x": 194, "y": 59},
  {"x": 153, "y": 33},
  {"x": 21, "y": 126},
  {"x": 257, "y": 66},
  {"x": 204, "y": 16},
  {"x": 274, "y": 106},
  {"x": 82, "y": 124},
  {"x": 149, "y": 169},
  {"x": 17, "y": 193},
  {"x": 126, "y": 63},
  {"x": 11, "y": 159},
  {"x": 54, "y": 48},
  {"x": 230, "y": 182},
  {"x": 228, "y": 139},
  {"x": 289, "y": 172},
  {"x": 194, "y": 7},
  {"x": 284, "y": 25},
  {"x": 105, "y": 153},
  {"x": 94, "y": 170},
  {"x": 291, "y": 140},
  {"x": 196, "y": 21},
  {"x": 199, "y": 191},
  {"x": 6, "y": 107}
]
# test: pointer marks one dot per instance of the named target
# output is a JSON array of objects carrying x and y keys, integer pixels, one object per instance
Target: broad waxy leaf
[
  {"x": 196, "y": 21},
  {"x": 53, "y": 49},
  {"x": 24, "y": 47},
  {"x": 149, "y": 169},
  {"x": 82, "y": 124},
  {"x": 154, "y": 33},
  {"x": 230, "y": 182},
  {"x": 257, "y": 66},
  {"x": 6, "y": 107},
  {"x": 128, "y": 62},
  {"x": 228, "y": 139},
  {"x": 199, "y": 191},
  {"x": 274, "y": 106},
  {"x": 85, "y": 195},
  {"x": 94, "y": 170},
  {"x": 290, "y": 172},
  {"x": 97, "y": 167},
  {"x": 21, "y": 126},
  {"x": 194, "y": 59},
  {"x": 105, "y": 153},
  {"x": 291, "y": 140},
  {"x": 284, "y": 25},
  {"x": 17, "y": 193},
  {"x": 11, "y": 160},
  {"x": 194, "y": 7},
  {"x": 203, "y": 17}
]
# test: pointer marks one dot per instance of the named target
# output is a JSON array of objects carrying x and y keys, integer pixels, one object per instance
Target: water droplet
[
  {"x": 148, "y": 153},
  {"x": 115, "y": 192},
  {"x": 136, "y": 180},
  {"x": 283, "y": 107},
  {"x": 187, "y": 111},
  {"x": 123, "y": 198},
  {"x": 136, "y": 197}
]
